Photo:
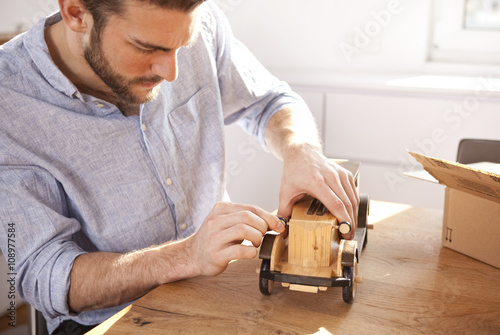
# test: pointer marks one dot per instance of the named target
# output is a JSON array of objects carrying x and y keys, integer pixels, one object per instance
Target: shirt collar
[{"x": 39, "y": 53}]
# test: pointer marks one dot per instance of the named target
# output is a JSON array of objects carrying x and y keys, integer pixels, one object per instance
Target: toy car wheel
[
  {"x": 265, "y": 285},
  {"x": 349, "y": 292},
  {"x": 363, "y": 212}
]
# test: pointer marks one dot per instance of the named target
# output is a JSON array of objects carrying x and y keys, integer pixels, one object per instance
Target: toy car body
[{"x": 314, "y": 256}]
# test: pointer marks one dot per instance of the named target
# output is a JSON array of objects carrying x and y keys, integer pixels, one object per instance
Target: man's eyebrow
[
  {"x": 149, "y": 46},
  {"x": 157, "y": 47}
]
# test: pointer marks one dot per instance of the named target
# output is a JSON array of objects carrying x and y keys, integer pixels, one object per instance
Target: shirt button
[
  {"x": 184, "y": 226},
  {"x": 143, "y": 126},
  {"x": 169, "y": 181},
  {"x": 99, "y": 105}
]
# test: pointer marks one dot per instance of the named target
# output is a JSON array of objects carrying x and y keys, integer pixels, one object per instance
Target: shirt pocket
[{"x": 197, "y": 127}]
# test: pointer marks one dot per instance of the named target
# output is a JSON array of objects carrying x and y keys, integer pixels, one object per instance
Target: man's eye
[{"x": 145, "y": 51}]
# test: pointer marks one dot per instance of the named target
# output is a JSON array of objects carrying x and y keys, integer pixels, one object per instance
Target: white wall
[
  {"x": 309, "y": 34},
  {"x": 20, "y": 15}
]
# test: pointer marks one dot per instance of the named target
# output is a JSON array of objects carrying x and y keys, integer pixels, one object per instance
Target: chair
[
  {"x": 477, "y": 150},
  {"x": 38, "y": 325}
]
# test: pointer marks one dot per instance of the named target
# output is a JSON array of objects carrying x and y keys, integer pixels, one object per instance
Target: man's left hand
[{"x": 307, "y": 171}]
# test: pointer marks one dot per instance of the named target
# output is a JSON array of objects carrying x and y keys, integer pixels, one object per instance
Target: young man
[{"x": 112, "y": 155}]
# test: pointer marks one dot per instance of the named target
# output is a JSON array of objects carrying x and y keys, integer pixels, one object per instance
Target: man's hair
[{"x": 102, "y": 9}]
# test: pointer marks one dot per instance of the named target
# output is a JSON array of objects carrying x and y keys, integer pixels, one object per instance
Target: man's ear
[{"x": 75, "y": 15}]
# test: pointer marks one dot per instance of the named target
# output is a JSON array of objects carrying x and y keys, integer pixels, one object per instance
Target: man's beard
[{"x": 120, "y": 85}]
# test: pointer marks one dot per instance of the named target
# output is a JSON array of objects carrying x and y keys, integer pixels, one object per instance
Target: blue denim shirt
[{"x": 77, "y": 176}]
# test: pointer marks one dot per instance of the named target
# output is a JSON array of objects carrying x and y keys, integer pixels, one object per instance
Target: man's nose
[{"x": 165, "y": 65}]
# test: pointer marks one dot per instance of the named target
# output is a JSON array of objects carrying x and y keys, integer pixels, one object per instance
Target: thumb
[{"x": 286, "y": 205}]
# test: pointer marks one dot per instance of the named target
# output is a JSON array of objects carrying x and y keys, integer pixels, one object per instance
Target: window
[
  {"x": 466, "y": 31},
  {"x": 482, "y": 14}
]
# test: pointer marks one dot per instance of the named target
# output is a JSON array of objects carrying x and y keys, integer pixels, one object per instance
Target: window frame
[{"x": 451, "y": 42}]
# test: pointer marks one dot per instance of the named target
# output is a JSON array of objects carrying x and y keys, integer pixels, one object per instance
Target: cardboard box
[{"x": 471, "y": 221}]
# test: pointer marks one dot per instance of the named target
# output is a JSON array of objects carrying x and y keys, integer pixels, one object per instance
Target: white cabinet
[
  {"x": 380, "y": 127},
  {"x": 377, "y": 128}
]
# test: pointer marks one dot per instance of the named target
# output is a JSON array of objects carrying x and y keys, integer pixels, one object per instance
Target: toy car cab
[{"x": 314, "y": 256}]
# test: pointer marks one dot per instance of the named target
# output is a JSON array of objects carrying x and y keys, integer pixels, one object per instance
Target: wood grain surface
[{"x": 411, "y": 285}]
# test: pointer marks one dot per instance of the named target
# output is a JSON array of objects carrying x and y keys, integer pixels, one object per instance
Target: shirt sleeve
[
  {"x": 250, "y": 94},
  {"x": 32, "y": 205}
]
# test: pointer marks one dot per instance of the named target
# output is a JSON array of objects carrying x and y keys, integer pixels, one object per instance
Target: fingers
[
  {"x": 251, "y": 215},
  {"x": 333, "y": 185},
  {"x": 286, "y": 205},
  {"x": 214, "y": 259},
  {"x": 218, "y": 241},
  {"x": 236, "y": 227},
  {"x": 337, "y": 206},
  {"x": 339, "y": 195},
  {"x": 349, "y": 187},
  {"x": 341, "y": 182},
  {"x": 236, "y": 251}
]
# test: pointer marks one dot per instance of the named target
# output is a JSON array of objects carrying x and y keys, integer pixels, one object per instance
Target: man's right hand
[
  {"x": 104, "y": 279},
  {"x": 219, "y": 239}
]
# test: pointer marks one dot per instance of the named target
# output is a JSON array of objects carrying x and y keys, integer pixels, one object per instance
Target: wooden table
[{"x": 411, "y": 285}]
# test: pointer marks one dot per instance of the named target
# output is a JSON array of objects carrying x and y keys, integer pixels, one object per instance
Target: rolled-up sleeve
[
  {"x": 250, "y": 94},
  {"x": 32, "y": 205}
]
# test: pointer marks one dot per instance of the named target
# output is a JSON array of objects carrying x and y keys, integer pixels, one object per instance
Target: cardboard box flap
[{"x": 465, "y": 178}]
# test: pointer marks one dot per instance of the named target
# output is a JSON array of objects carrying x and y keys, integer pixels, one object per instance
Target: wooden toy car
[{"x": 314, "y": 256}]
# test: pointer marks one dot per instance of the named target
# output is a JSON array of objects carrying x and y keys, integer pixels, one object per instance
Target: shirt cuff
[{"x": 60, "y": 277}]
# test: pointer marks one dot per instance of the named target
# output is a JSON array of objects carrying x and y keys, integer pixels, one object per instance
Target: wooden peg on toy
[{"x": 344, "y": 227}]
